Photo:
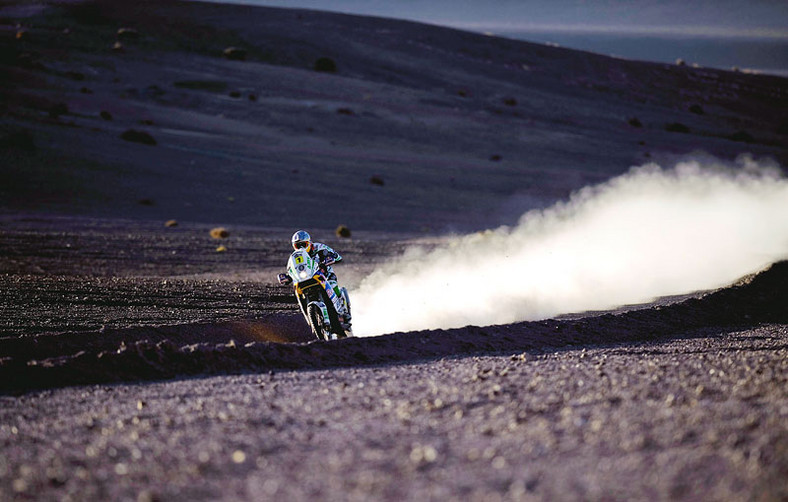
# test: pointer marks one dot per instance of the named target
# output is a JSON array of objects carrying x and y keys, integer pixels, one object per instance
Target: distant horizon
[
  {"x": 695, "y": 31},
  {"x": 730, "y": 18},
  {"x": 758, "y": 43}
]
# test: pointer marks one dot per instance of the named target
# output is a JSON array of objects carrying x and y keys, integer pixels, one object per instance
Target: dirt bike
[{"x": 318, "y": 301}]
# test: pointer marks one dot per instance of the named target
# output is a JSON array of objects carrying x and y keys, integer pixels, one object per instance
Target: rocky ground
[
  {"x": 168, "y": 386},
  {"x": 698, "y": 417}
]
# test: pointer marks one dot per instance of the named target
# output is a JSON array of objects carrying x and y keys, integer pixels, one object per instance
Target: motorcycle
[{"x": 319, "y": 304}]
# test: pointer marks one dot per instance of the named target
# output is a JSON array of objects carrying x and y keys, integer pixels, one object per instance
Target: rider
[{"x": 326, "y": 257}]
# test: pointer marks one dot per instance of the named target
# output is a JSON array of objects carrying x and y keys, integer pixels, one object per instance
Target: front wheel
[
  {"x": 335, "y": 327},
  {"x": 316, "y": 322}
]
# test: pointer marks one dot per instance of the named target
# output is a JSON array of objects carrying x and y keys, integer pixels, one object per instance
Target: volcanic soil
[
  {"x": 144, "y": 361},
  {"x": 175, "y": 383}
]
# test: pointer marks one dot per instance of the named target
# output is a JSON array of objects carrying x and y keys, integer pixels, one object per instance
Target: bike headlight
[{"x": 302, "y": 274}]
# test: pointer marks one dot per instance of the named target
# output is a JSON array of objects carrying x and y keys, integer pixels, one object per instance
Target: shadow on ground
[{"x": 166, "y": 352}]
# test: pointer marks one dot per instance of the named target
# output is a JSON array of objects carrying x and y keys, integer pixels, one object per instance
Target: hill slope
[{"x": 418, "y": 127}]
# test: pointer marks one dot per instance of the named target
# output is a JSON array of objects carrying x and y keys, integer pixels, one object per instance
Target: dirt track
[
  {"x": 694, "y": 418},
  {"x": 684, "y": 401}
]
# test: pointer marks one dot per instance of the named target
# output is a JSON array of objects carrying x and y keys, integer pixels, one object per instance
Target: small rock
[
  {"x": 234, "y": 54},
  {"x": 221, "y": 249},
  {"x": 57, "y": 110},
  {"x": 742, "y": 136},
  {"x": 126, "y": 34},
  {"x": 423, "y": 454},
  {"x": 147, "y": 496},
  {"x": 635, "y": 122},
  {"x": 325, "y": 64},
  {"x": 138, "y": 137},
  {"x": 496, "y": 158},
  {"x": 343, "y": 231},
  {"x": 677, "y": 127},
  {"x": 170, "y": 223},
  {"x": 220, "y": 233},
  {"x": 105, "y": 115},
  {"x": 19, "y": 485},
  {"x": 376, "y": 180}
]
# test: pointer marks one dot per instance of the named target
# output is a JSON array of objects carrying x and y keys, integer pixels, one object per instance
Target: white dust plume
[{"x": 648, "y": 233}]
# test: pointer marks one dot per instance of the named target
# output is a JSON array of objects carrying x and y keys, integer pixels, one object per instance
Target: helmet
[{"x": 301, "y": 239}]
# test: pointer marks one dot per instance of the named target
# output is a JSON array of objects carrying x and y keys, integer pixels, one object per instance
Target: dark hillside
[{"x": 221, "y": 113}]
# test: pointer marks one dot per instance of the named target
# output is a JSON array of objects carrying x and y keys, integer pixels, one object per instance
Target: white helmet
[{"x": 302, "y": 240}]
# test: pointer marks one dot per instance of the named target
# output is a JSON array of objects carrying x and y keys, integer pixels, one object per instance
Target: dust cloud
[{"x": 651, "y": 232}]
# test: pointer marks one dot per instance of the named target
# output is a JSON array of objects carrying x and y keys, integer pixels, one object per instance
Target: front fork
[{"x": 334, "y": 295}]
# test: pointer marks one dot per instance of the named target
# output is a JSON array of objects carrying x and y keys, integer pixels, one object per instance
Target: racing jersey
[{"x": 322, "y": 253}]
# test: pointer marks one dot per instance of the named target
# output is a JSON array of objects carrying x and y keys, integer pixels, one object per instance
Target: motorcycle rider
[{"x": 326, "y": 257}]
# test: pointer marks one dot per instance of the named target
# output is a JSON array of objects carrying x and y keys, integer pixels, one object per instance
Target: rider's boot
[
  {"x": 343, "y": 311},
  {"x": 340, "y": 300}
]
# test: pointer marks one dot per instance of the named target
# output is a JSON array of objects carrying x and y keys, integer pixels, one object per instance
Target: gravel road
[
  {"x": 696, "y": 418},
  {"x": 682, "y": 400}
]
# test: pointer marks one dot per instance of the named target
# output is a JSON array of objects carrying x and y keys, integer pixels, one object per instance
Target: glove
[{"x": 284, "y": 279}]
